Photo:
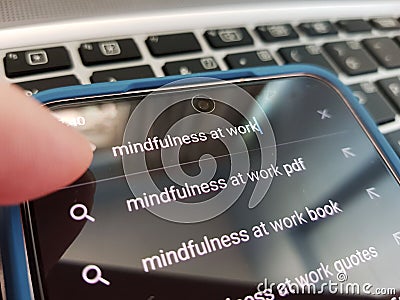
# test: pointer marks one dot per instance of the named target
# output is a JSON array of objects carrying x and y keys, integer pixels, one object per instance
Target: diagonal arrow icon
[
  {"x": 396, "y": 237},
  {"x": 347, "y": 152},
  {"x": 372, "y": 194}
]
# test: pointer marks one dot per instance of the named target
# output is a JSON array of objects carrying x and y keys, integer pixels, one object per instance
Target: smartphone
[{"x": 266, "y": 183}]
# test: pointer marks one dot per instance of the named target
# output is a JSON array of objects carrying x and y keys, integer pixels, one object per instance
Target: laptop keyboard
[{"x": 364, "y": 53}]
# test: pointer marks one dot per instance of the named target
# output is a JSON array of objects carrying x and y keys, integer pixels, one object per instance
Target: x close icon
[{"x": 324, "y": 114}]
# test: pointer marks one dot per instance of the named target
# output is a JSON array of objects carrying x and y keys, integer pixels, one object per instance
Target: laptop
[
  {"x": 49, "y": 44},
  {"x": 53, "y": 44}
]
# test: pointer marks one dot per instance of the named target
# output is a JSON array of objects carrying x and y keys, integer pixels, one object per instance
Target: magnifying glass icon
[
  {"x": 97, "y": 275},
  {"x": 79, "y": 216}
]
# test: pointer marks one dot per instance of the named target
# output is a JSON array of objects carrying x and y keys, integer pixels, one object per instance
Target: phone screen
[{"x": 262, "y": 189}]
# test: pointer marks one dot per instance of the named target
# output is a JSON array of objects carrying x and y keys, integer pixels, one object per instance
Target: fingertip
[{"x": 39, "y": 154}]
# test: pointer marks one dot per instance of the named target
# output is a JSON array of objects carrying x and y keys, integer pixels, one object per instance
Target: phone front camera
[{"x": 203, "y": 104}]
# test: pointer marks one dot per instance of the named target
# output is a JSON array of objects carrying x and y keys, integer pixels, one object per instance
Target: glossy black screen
[{"x": 325, "y": 211}]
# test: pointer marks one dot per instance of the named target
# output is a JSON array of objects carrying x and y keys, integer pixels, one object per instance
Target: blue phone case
[{"x": 12, "y": 239}]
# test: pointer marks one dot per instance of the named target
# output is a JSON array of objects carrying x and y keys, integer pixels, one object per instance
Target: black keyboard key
[
  {"x": 276, "y": 33},
  {"x": 108, "y": 51},
  {"x": 318, "y": 28},
  {"x": 224, "y": 38},
  {"x": 250, "y": 59},
  {"x": 36, "y": 61},
  {"x": 351, "y": 57},
  {"x": 161, "y": 45},
  {"x": 391, "y": 87},
  {"x": 394, "y": 140},
  {"x": 385, "y": 51},
  {"x": 190, "y": 66},
  {"x": 354, "y": 26},
  {"x": 305, "y": 55},
  {"x": 144, "y": 71},
  {"x": 375, "y": 103},
  {"x": 385, "y": 23},
  {"x": 36, "y": 86}
]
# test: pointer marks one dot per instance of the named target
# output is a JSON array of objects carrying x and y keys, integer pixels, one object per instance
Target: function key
[
  {"x": 108, "y": 51},
  {"x": 354, "y": 26},
  {"x": 161, "y": 45},
  {"x": 385, "y": 50},
  {"x": 144, "y": 71},
  {"x": 394, "y": 140},
  {"x": 35, "y": 86},
  {"x": 224, "y": 38},
  {"x": 190, "y": 66},
  {"x": 30, "y": 62},
  {"x": 305, "y": 55},
  {"x": 369, "y": 96},
  {"x": 391, "y": 87},
  {"x": 351, "y": 58},
  {"x": 385, "y": 23},
  {"x": 276, "y": 33},
  {"x": 318, "y": 28},
  {"x": 250, "y": 59}
]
